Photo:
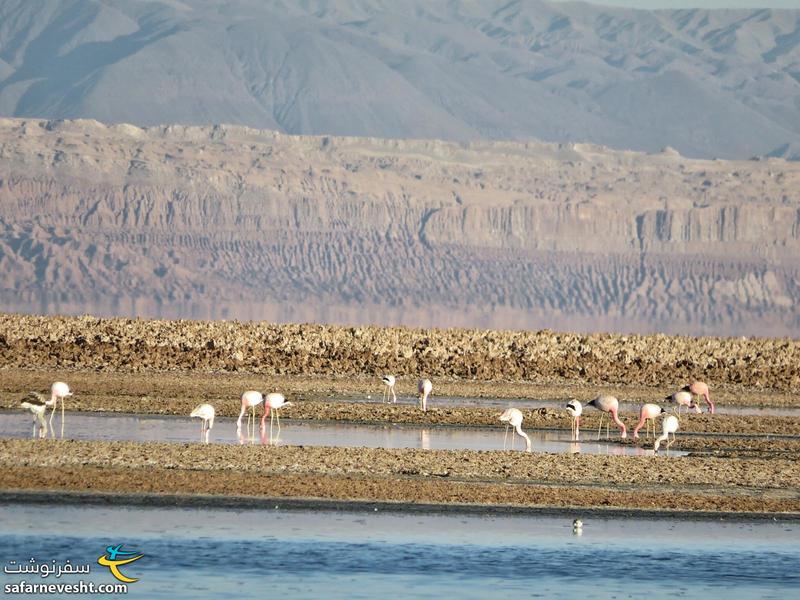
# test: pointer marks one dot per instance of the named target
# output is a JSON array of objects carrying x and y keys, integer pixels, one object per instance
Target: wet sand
[{"x": 415, "y": 476}]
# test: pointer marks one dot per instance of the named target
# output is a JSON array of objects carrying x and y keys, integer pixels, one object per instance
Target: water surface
[{"x": 212, "y": 553}]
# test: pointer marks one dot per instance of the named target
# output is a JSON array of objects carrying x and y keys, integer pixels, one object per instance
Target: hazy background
[{"x": 491, "y": 163}]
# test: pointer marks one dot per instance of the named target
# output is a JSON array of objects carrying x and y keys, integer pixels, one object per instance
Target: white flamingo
[
  {"x": 683, "y": 398},
  {"x": 58, "y": 391},
  {"x": 273, "y": 403},
  {"x": 424, "y": 387},
  {"x": 37, "y": 405},
  {"x": 575, "y": 409},
  {"x": 512, "y": 417},
  {"x": 206, "y": 413},
  {"x": 669, "y": 425},
  {"x": 250, "y": 399},
  {"x": 389, "y": 381}
]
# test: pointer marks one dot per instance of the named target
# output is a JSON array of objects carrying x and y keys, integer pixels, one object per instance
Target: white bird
[
  {"x": 669, "y": 425},
  {"x": 577, "y": 527},
  {"x": 37, "y": 405},
  {"x": 58, "y": 391},
  {"x": 206, "y": 413},
  {"x": 575, "y": 409},
  {"x": 389, "y": 381},
  {"x": 512, "y": 417},
  {"x": 250, "y": 399},
  {"x": 683, "y": 398},
  {"x": 424, "y": 387},
  {"x": 272, "y": 404}
]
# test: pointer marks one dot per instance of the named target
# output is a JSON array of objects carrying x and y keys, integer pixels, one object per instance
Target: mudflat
[{"x": 737, "y": 463}]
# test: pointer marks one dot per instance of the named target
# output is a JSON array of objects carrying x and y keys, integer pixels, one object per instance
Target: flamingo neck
[
  {"x": 527, "y": 439},
  {"x": 619, "y": 423},
  {"x": 266, "y": 413}
]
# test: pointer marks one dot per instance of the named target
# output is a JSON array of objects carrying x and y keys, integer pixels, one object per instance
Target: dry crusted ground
[{"x": 739, "y": 464}]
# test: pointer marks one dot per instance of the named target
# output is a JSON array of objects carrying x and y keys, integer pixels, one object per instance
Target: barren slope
[{"x": 227, "y": 222}]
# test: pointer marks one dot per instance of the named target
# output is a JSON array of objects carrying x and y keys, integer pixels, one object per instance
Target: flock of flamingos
[{"x": 37, "y": 404}]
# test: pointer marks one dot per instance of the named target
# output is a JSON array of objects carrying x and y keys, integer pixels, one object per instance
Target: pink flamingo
[
  {"x": 647, "y": 416},
  {"x": 424, "y": 387},
  {"x": 575, "y": 409},
  {"x": 698, "y": 388},
  {"x": 58, "y": 391},
  {"x": 272, "y": 404},
  {"x": 610, "y": 405},
  {"x": 669, "y": 425},
  {"x": 513, "y": 417},
  {"x": 250, "y": 399}
]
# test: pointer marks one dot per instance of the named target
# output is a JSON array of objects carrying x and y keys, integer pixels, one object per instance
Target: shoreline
[{"x": 234, "y": 502}]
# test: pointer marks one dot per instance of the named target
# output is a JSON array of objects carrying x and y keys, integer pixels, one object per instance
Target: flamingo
[
  {"x": 273, "y": 403},
  {"x": 512, "y": 417},
  {"x": 575, "y": 409},
  {"x": 647, "y": 416},
  {"x": 58, "y": 391},
  {"x": 389, "y": 381},
  {"x": 610, "y": 405},
  {"x": 669, "y": 425},
  {"x": 683, "y": 398},
  {"x": 698, "y": 388},
  {"x": 206, "y": 413},
  {"x": 250, "y": 399},
  {"x": 37, "y": 405},
  {"x": 424, "y": 387}
]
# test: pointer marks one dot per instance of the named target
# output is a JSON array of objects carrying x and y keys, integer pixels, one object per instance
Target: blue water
[{"x": 210, "y": 553}]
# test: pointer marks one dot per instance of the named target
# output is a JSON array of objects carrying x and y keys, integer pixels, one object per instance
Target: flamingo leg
[
  {"x": 62, "y": 418},
  {"x": 52, "y": 413},
  {"x": 278, "y": 419},
  {"x": 505, "y": 436},
  {"x": 599, "y": 427},
  {"x": 393, "y": 396},
  {"x": 271, "y": 421}
]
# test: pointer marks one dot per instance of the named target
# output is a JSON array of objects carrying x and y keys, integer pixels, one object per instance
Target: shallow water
[
  {"x": 211, "y": 553},
  {"x": 528, "y": 404},
  {"x": 146, "y": 428}
]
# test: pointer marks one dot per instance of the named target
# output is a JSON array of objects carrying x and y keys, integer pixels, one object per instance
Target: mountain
[
  {"x": 721, "y": 83},
  {"x": 228, "y": 222}
]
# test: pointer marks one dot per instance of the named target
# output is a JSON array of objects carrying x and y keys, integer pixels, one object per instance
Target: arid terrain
[
  {"x": 233, "y": 223},
  {"x": 736, "y": 463}
]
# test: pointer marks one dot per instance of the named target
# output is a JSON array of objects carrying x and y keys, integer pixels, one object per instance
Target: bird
[
  {"x": 58, "y": 391},
  {"x": 206, "y": 413},
  {"x": 647, "y": 416},
  {"x": 389, "y": 381},
  {"x": 577, "y": 527},
  {"x": 512, "y": 417},
  {"x": 272, "y": 404},
  {"x": 575, "y": 409},
  {"x": 698, "y": 388},
  {"x": 37, "y": 405},
  {"x": 424, "y": 387},
  {"x": 669, "y": 425},
  {"x": 683, "y": 398},
  {"x": 250, "y": 399},
  {"x": 610, "y": 405}
]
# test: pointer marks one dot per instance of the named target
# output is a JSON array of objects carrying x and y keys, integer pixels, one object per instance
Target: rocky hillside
[
  {"x": 711, "y": 83},
  {"x": 229, "y": 222}
]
